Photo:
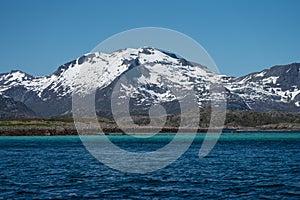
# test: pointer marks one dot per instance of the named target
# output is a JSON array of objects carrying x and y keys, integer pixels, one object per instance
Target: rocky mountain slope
[
  {"x": 277, "y": 88},
  {"x": 10, "y": 109},
  {"x": 153, "y": 75}
]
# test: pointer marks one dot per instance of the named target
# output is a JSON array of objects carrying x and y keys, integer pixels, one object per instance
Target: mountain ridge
[{"x": 276, "y": 88}]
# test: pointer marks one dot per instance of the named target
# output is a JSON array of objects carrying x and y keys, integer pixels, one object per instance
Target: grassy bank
[{"x": 237, "y": 120}]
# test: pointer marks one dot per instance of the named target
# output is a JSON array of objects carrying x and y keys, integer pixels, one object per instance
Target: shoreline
[{"x": 71, "y": 131}]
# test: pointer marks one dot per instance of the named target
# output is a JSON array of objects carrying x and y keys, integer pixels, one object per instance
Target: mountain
[
  {"x": 10, "y": 109},
  {"x": 277, "y": 88},
  {"x": 158, "y": 75}
]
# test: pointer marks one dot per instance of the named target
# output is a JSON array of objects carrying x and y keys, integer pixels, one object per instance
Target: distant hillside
[
  {"x": 10, "y": 109},
  {"x": 238, "y": 118}
]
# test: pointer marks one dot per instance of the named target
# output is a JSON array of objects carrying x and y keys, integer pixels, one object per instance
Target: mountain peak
[
  {"x": 150, "y": 68},
  {"x": 15, "y": 75}
]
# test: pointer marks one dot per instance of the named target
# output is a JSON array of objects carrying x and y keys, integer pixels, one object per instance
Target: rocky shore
[{"x": 56, "y": 128}]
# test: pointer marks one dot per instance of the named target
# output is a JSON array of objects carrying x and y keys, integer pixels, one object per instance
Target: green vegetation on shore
[{"x": 240, "y": 120}]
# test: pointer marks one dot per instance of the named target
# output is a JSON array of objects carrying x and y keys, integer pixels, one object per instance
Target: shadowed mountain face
[
  {"x": 153, "y": 75},
  {"x": 10, "y": 109}
]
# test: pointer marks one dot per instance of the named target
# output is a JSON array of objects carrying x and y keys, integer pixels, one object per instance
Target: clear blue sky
[{"x": 242, "y": 36}]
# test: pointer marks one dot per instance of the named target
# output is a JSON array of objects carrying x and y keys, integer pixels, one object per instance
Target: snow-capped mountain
[
  {"x": 277, "y": 88},
  {"x": 153, "y": 74}
]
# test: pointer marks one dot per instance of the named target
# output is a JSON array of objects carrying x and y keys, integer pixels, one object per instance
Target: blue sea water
[{"x": 241, "y": 166}]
